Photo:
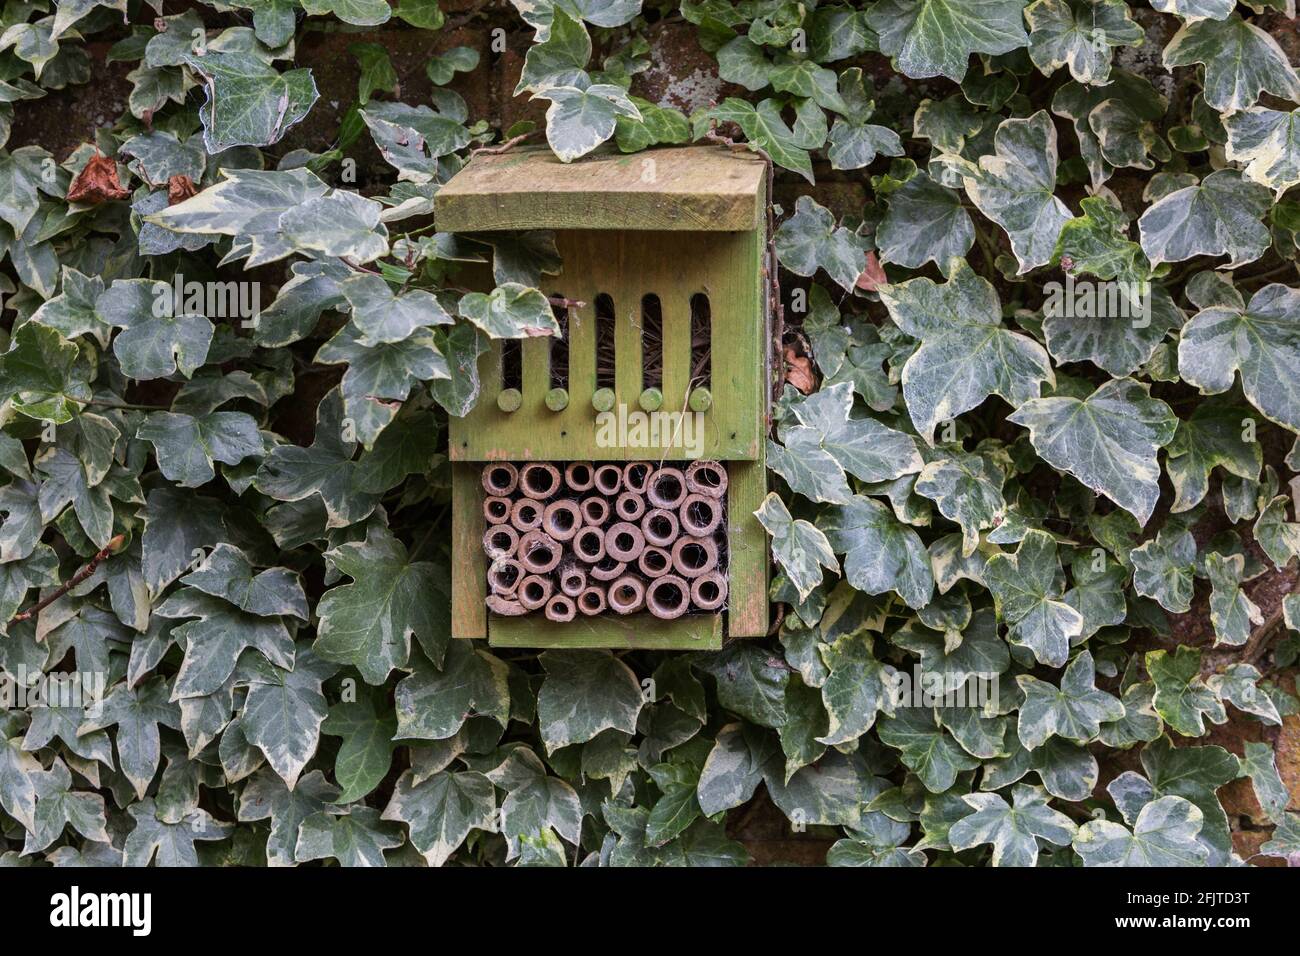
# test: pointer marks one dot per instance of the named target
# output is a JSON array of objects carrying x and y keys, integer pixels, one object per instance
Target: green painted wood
[
  {"x": 468, "y": 562},
  {"x": 747, "y": 550},
  {"x": 690, "y": 632}
]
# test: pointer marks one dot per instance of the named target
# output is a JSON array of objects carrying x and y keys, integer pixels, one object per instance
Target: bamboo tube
[
  {"x": 562, "y": 519},
  {"x": 579, "y": 476},
  {"x": 666, "y": 488},
  {"x": 500, "y": 478},
  {"x": 700, "y": 515},
  {"x": 660, "y": 527},
  {"x": 500, "y": 541},
  {"x": 691, "y": 556},
  {"x": 626, "y": 595},
  {"x": 589, "y": 544},
  {"x": 595, "y": 510},
  {"x": 629, "y": 506},
  {"x": 592, "y": 600},
  {"x": 654, "y": 562},
  {"x": 709, "y": 591},
  {"x": 668, "y": 597},
  {"x": 635, "y": 476},
  {"x": 573, "y": 577},
  {"x": 624, "y": 541},
  {"x": 539, "y": 553},
  {"x": 534, "y": 591},
  {"x": 504, "y": 575},
  {"x": 607, "y": 569},
  {"x": 504, "y": 606},
  {"x": 496, "y": 510},
  {"x": 609, "y": 480},
  {"x": 539, "y": 479},
  {"x": 560, "y": 609},
  {"x": 708, "y": 478},
  {"x": 526, "y": 515}
]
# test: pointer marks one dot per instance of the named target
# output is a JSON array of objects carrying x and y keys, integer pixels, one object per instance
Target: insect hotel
[{"x": 605, "y": 483}]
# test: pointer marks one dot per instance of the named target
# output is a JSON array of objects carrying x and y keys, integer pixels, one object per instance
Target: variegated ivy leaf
[
  {"x": 355, "y": 836},
  {"x": 1220, "y": 216},
  {"x": 510, "y": 311},
  {"x": 1238, "y": 685},
  {"x": 284, "y": 710},
  {"x": 1140, "y": 722},
  {"x": 926, "y": 748},
  {"x": 43, "y": 376},
  {"x": 584, "y": 693},
  {"x": 381, "y": 316},
  {"x": 343, "y": 224},
  {"x": 1163, "y": 835},
  {"x": 1107, "y": 440},
  {"x": 58, "y": 806},
  {"x": 966, "y": 354},
  {"x": 924, "y": 222},
  {"x": 413, "y": 138},
  {"x": 936, "y": 37},
  {"x": 1015, "y": 187},
  {"x": 433, "y": 704},
  {"x": 1215, "y": 436},
  {"x": 72, "y": 311},
  {"x": 1268, "y": 141},
  {"x": 1027, "y": 588},
  {"x": 247, "y": 204},
  {"x": 265, "y": 795},
  {"x": 1182, "y": 698},
  {"x": 560, "y": 59},
  {"x": 1192, "y": 10},
  {"x": 981, "y": 652},
  {"x": 1013, "y": 831},
  {"x": 186, "y": 446},
  {"x": 811, "y": 240},
  {"x": 1240, "y": 62},
  {"x": 442, "y": 810},
  {"x": 362, "y": 13},
  {"x": 1079, "y": 34},
  {"x": 1260, "y": 340},
  {"x": 1260, "y": 765},
  {"x": 1163, "y": 569},
  {"x": 136, "y": 713},
  {"x": 1098, "y": 243},
  {"x": 857, "y": 686},
  {"x": 581, "y": 118},
  {"x": 1232, "y": 613},
  {"x": 880, "y": 552},
  {"x": 967, "y": 490},
  {"x": 156, "y": 341},
  {"x": 369, "y": 622},
  {"x": 854, "y": 142},
  {"x": 165, "y": 842},
  {"x": 539, "y": 14},
  {"x": 764, "y": 127},
  {"x": 250, "y": 103},
  {"x": 1278, "y": 537},
  {"x": 1285, "y": 843},
  {"x": 1076, "y": 710},
  {"x": 798, "y": 546},
  {"x": 741, "y": 757},
  {"x": 1098, "y": 592}
]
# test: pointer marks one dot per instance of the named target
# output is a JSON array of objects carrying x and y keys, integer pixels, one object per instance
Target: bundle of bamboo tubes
[{"x": 587, "y": 538}]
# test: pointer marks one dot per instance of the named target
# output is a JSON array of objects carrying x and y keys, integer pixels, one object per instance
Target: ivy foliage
[{"x": 1039, "y": 423}]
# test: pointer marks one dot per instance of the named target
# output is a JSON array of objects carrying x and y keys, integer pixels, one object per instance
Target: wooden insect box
[{"x": 665, "y": 360}]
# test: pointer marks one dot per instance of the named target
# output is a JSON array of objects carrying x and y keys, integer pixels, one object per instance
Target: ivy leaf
[
  {"x": 1232, "y": 613},
  {"x": 59, "y": 806},
  {"x": 72, "y": 311},
  {"x": 186, "y": 446},
  {"x": 1015, "y": 187},
  {"x": 1213, "y": 437},
  {"x": 367, "y": 727},
  {"x": 1079, "y": 34},
  {"x": 966, "y": 354},
  {"x": 1026, "y": 586},
  {"x": 342, "y": 224},
  {"x": 764, "y": 128},
  {"x": 968, "y": 490},
  {"x": 249, "y": 102},
  {"x": 156, "y": 342},
  {"x": 798, "y": 546},
  {"x": 578, "y": 120},
  {"x": 1192, "y": 10},
  {"x": 936, "y": 37},
  {"x": 433, "y": 703},
  {"x": 369, "y": 622},
  {"x": 1238, "y": 685},
  {"x": 880, "y": 552},
  {"x": 855, "y": 689},
  {"x": 42, "y": 376},
  {"x": 1240, "y": 61},
  {"x": 811, "y": 240},
  {"x": 283, "y": 713},
  {"x": 560, "y": 59},
  {"x": 1013, "y": 830},
  {"x": 1220, "y": 216},
  {"x": 355, "y": 836},
  {"x": 740, "y": 759},
  {"x": 168, "y": 843},
  {"x": 1286, "y": 838},
  {"x": 1076, "y": 710},
  {"x": 855, "y": 143},
  {"x": 442, "y": 810},
  {"x": 1182, "y": 698},
  {"x": 136, "y": 713},
  {"x": 361, "y": 13},
  {"x": 1259, "y": 340},
  {"x": 1107, "y": 440},
  {"x": 18, "y": 775},
  {"x": 1268, "y": 141},
  {"x": 980, "y": 653},
  {"x": 584, "y": 693},
  {"x": 510, "y": 311},
  {"x": 1260, "y": 766},
  {"x": 1164, "y": 835},
  {"x": 925, "y": 748},
  {"x": 924, "y": 222},
  {"x": 1163, "y": 569},
  {"x": 1276, "y": 536},
  {"x": 265, "y": 795},
  {"x": 380, "y": 316}
]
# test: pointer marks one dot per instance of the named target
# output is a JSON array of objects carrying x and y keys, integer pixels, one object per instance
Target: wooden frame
[{"x": 676, "y": 223}]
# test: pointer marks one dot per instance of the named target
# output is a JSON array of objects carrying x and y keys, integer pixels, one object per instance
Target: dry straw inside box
[{"x": 666, "y": 360}]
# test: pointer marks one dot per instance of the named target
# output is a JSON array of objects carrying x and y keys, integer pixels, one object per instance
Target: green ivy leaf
[
  {"x": 1182, "y": 698},
  {"x": 880, "y": 552},
  {"x": 249, "y": 102},
  {"x": 1076, "y": 710},
  {"x": 798, "y": 546},
  {"x": 1163, "y": 835},
  {"x": 936, "y": 37},
  {"x": 1013, "y": 830}
]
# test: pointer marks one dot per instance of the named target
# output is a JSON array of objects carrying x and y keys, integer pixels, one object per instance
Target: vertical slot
[
  {"x": 604, "y": 341},
  {"x": 701, "y": 341},
  {"x": 560, "y": 345},
  {"x": 512, "y": 364},
  {"x": 652, "y": 342}
]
